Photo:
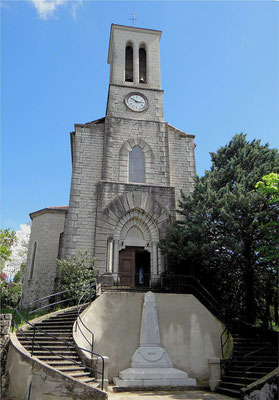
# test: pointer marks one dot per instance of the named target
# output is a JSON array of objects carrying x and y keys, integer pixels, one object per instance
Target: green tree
[
  {"x": 219, "y": 231},
  {"x": 269, "y": 249},
  {"x": 7, "y": 239},
  {"x": 269, "y": 188},
  {"x": 77, "y": 273}
]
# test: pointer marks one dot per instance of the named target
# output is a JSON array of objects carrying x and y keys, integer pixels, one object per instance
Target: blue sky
[{"x": 220, "y": 73}]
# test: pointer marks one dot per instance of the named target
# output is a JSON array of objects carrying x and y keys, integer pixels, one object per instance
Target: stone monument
[{"x": 150, "y": 364}]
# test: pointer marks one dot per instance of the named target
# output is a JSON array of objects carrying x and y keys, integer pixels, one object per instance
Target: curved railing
[
  {"x": 36, "y": 329},
  {"x": 88, "y": 296}
]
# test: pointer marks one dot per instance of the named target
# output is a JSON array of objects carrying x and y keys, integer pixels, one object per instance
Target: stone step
[
  {"x": 251, "y": 343},
  {"x": 53, "y": 326},
  {"x": 264, "y": 370},
  {"x": 57, "y": 357},
  {"x": 51, "y": 332},
  {"x": 231, "y": 385},
  {"x": 79, "y": 374},
  {"x": 50, "y": 345},
  {"x": 87, "y": 379},
  {"x": 239, "y": 374},
  {"x": 38, "y": 334},
  {"x": 228, "y": 392},
  {"x": 50, "y": 350},
  {"x": 250, "y": 361},
  {"x": 46, "y": 352},
  {"x": 238, "y": 379},
  {"x": 255, "y": 352},
  {"x": 46, "y": 342},
  {"x": 70, "y": 367},
  {"x": 57, "y": 321},
  {"x": 62, "y": 363}
]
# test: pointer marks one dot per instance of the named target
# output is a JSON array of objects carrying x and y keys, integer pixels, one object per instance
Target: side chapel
[{"x": 128, "y": 169}]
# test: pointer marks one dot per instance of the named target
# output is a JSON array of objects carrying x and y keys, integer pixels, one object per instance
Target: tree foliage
[
  {"x": 10, "y": 293},
  {"x": 219, "y": 230},
  {"x": 77, "y": 273},
  {"x": 7, "y": 239},
  {"x": 269, "y": 188}
]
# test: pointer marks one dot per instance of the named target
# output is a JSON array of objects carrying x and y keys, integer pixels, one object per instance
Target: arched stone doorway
[{"x": 135, "y": 248}]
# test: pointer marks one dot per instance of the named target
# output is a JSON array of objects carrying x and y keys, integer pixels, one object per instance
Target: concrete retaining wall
[{"x": 189, "y": 332}]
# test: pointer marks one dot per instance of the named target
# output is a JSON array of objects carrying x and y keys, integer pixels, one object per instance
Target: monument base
[{"x": 133, "y": 377}]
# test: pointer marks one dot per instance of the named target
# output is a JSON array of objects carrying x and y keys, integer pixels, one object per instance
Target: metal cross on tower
[{"x": 133, "y": 18}]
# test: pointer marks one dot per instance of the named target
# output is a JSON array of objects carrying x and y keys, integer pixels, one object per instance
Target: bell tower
[{"x": 135, "y": 77}]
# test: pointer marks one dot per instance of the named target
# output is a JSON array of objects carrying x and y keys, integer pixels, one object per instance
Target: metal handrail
[
  {"x": 49, "y": 296},
  {"x": 80, "y": 306},
  {"x": 35, "y": 328},
  {"x": 50, "y": 304},
  {"x": 79, "y": 319}
]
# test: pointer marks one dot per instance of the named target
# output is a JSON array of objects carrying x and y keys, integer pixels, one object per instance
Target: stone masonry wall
[
  {"x": 182, "y": 161},
  {"x": 5, "y": 325},
  {"x": 119, "y": 131},
  {"x": 88, "y": 146},
  {"x": 46, "y": 230}
]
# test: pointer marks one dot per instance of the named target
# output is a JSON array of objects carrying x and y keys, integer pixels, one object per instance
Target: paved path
[{"x": 174, "y": 395}]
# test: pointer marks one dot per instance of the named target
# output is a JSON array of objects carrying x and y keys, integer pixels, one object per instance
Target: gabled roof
[
  {"x": 181, "y": 132},
  {"x": 95, "y": 122},
  {"x": 58, "y": 209}
]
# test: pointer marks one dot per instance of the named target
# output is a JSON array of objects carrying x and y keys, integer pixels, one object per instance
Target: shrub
[{"x": 77, "y": 273}]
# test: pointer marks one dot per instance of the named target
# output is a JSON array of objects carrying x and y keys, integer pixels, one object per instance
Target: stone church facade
[{"x": 128, "y": 169}]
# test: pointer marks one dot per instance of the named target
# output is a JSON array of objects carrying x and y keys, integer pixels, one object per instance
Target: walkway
[{"x": 167, "y": 395}]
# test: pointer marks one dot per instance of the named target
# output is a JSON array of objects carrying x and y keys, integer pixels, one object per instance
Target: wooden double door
[{"x": 134, "y": 267}]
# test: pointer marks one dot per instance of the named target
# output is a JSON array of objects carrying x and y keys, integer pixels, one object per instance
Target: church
[{"x": 128, "y": 170}]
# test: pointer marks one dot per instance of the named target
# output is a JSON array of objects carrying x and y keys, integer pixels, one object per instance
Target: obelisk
[{"x": 150, "y": 364}]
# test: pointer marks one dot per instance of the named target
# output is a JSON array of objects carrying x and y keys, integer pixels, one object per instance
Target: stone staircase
[
  {"x": 257, "y": 364},
  {"x": 55, "y": 346}
]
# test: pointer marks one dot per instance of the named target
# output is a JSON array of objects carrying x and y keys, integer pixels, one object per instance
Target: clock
[{"x": 136, "y": 102}]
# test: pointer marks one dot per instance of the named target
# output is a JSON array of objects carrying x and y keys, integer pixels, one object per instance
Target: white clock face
[{"x": 136, "y": 102}]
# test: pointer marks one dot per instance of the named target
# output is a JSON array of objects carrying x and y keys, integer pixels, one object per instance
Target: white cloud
[
  {"x": 75, "y": 5},
  {"x": 46, "y": 8},
  {"x": 19, "y": 251}
]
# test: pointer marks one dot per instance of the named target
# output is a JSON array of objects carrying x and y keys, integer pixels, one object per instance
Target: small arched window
[
  {"x": 137, "y": 165},
  {"x": 33, "y": 260},
  {"x": 142, "y": 65},
  {"x": 129, "y": 63}
]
